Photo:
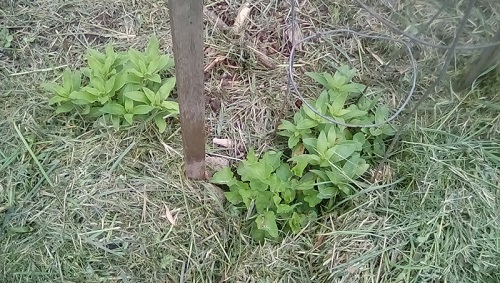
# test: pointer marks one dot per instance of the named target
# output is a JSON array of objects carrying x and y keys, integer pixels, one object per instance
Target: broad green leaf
[
  {"x": 327, "y": 191},
  {"x": 320, "y": 173},
  {"x": 288, "y": 195},
  {"x": 320, "y": 78},
  {"x": 335, "y": 176},
  {"x": 257, "y": 234},
  {"x": 110, "y": 59},
  {"x": 302, "y": 161},
  {"x": 375, "y": 131},
  {"x": 272, "y": 158},
  {"x": 381, "y": 114},
  {"x": 275, "y": 184},
  {"x": 110, "y": 52},
  {"x": 56, "y": 99},
  {"x": 167, "y": 88},
  {"x": 306, "y": 183},
  {"x": 338, "y": 101},
  {"x": 306, "y": 124},
  {"x": 293, "y": 141},
  {"x": 149, "y": 94},
  {"x": 331, "y": 81},
  {"x": 67, "y": 81},
  {"x": 120, "y": 81},
  {"x": 65, "y": 107},
  {"x": 283, "y": 172},
  {"x": 251, "y": 156},
  {"x": 340, "y": 112},
  {"x": 152, "y": 67},
  {"x": 322, "y": 102},
  {"x": 347, "y": 72},
  {"x": 129, "y": 105},
  {"x": 98, "y": 83},
  {"x": 153, "y": 47},
  {"x": 284, "y": 208},
  {"x": 142, "y": 109},
  {"x": 155, "y": 78},
  {"x": 165, "y": 62},
  {"x": 362, "y": 168},
  {"x": 288, "y": 129},
  {"x": 352, "y": 88},
  {"x": 233, "y": 197},
  {"x": 311, "y": 197},
  {"x": 338, "y": 80},
  {"x": 254, "y": 171},
  {"x": 86, "y": 71},
  {"x": 285, "y": 133},
  {"x": 258, "y": 185},
  {"x": 276, "y": 200},
  {"x": 351, "y": 166},
  {"x": 310, "y": 113},
  {"x": 267, "y": 222},
  {"x": 310, "y": 144},
  {"x": 365, "y": 103},
  {"x": 341, "y": 151},
  {"x": 129, "y": 118},
  {"x": 296, "y": 222},
  {"x": 263, "y": 201},
  {"x": 113, "y": 108},
  {"x": 137, "y": 58},
  {"x": 142, "y": 67},
  {"x": 247, "y": 196},
  {"x": 354, "y": 112},
  {"x": 96, "y": 55},
  {"x": 83, "y": 95},
  {"x": 76, "y": 80},
  {"x": 332, "y": 136},
  {"x": 171, "y": 106},
  {"x": 135, "y": 76},
  {"x": 322, "y": 144},
  {"x": 86, "y": 109},
  {"x": 95, "y": 65},
  {"x": 223, "y": 177},
  {"x": 55, "y": 88},
  {"x": 360, "y": 140},
  {"x": 287, "y": 125},
  {"x": 160, "y": 123},
  {"x": 92, "y": 91},
  {"x": 379, "y": 146},
  {"x": 129, "y": 87},
  {"x": 387, "y": 130},
  {"x": 137, "y": 96},
  {"x": 110, "y": 85},
  {"x": 346, "y": 189}
]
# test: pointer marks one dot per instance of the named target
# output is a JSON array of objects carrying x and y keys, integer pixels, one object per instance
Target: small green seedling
[{"x": 5, "y": 38}]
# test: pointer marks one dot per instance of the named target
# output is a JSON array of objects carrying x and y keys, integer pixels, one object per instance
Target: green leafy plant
[
  {"x": 324, "y": 162},
  {"x": 120, "y": 86},
  {"x": 5, "y": 38}
]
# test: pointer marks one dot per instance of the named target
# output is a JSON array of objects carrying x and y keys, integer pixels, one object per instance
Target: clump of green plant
[
  {"x": 119, "y": 86},
  {"x": 5, "y": 38},
  {"x": 324, "y": 162}
]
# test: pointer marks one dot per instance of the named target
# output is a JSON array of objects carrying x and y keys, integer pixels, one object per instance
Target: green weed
[
  {"x": 325, "y": 161},
  {"x": 119, "y": 86}
]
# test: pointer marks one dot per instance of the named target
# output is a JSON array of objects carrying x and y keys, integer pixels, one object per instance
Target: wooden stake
[{"x": 186, "y": 23}]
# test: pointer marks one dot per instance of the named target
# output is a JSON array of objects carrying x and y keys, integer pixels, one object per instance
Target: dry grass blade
[{"x": 241, "y": 18}]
